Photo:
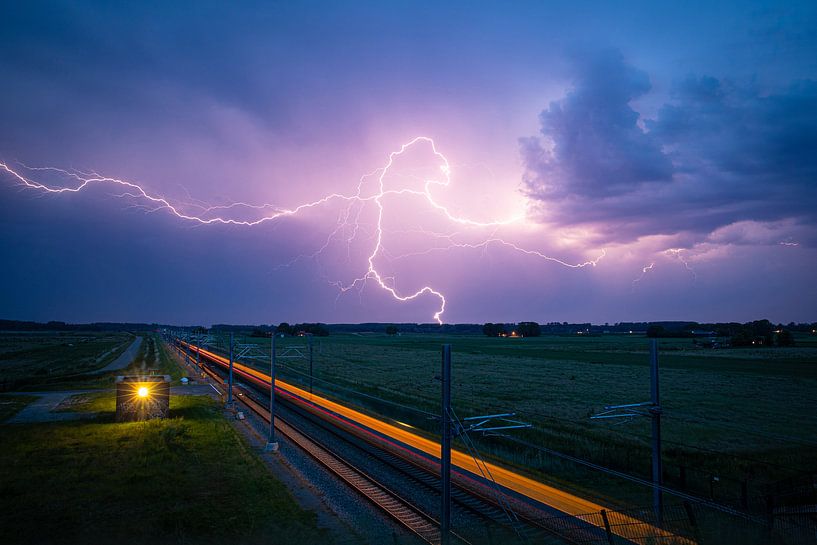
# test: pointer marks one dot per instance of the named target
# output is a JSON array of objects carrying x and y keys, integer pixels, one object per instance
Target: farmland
[
  {"x": 139, "y": 482},
  {"x": 176, "y": 480},
  {"x": 732, "y": 417},
  {"x": 73, "y": 359}
]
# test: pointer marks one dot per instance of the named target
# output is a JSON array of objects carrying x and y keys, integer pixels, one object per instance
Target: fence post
[{"x": 607, "y": 527}]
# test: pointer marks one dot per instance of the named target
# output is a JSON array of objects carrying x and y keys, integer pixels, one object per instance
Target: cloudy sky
[{"x": 580, "y": 161}]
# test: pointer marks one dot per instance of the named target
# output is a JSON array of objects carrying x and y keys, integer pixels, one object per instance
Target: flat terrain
[
  {"x": 729, "y": 415},
  {"x": 73, "y": 475},
  {"x": 77, "y": 360},
  {"x": 37, "y": 358},
  {"x": 186, "y": 479}
]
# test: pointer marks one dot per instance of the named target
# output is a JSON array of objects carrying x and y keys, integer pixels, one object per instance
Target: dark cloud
[
  {"x": 717, "y": 153},
  {"x": 598, "y": 149}
]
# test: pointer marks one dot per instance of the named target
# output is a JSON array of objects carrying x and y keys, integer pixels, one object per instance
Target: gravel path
[
  {"x": 125, "y": 359},
  {"x": 41, "y": 409}
]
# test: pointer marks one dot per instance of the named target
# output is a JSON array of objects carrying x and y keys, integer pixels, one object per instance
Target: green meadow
[
  {"x": 72, "y": 360},
  {"x": 734, "y": 422},
  {"x": 190, "y": 478}
]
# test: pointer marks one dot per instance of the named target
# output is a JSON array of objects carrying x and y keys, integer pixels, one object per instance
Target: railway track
[
  {"x": 478, "y": 506},
  {"x": 398, "y": 508},
  {"x": 530, "y": 522}
]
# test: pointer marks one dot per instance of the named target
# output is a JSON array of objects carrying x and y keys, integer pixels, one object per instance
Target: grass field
[
  {"x": 729, "y": 415},
  {"x": 48, "y": 357},
  {"x": 187, "y": 479},
  {"x": 70, "y": 360}
]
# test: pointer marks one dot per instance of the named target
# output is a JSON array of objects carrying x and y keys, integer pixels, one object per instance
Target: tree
[
  {"x": 391, "y": 330},
  {"x": 493, "y": 330},
  {"x": 785, "y": 338},
  {"x": 284, "y": 329},
  {"x": 655, "y": 331},
  {"x": 529, "y": 329},
  {"x": 318, "y": 330}
]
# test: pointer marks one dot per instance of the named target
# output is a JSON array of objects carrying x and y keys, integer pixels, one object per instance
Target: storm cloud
[{"x": 718, "y": 152}]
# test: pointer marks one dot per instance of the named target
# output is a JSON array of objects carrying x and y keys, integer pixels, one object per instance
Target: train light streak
[
  {"x": 348, "y": 221},
  {"x": 376, "y": 429}
]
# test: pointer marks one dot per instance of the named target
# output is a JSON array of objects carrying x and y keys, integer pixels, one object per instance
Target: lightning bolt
[
  {"x": 348, "y": 221},
  {"x": 676, "y": 253},
  {"x": 643, "y": 274}
]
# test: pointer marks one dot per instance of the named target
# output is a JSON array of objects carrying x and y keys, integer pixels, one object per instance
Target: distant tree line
[
  {"x": 18, "y": 325},
  {"x": 523, "y": 329},
  {"x": 319, "y": 330},
  {"x": 756, "y": 333}
]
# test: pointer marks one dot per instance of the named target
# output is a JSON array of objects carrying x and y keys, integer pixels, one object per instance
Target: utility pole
[
  {"x": 272, "y": 444},
  {"x": 445, "y": 444},
  {"x": 452, "y": 426},
  {"x": 651, "y": 408},
  {"x": 230, "y": 389},
  {"x": 187, "y": 351},
  {"x": 655, "y": 415}
]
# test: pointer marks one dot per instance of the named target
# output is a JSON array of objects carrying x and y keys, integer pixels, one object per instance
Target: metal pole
[
  {"x": 309, "y": 337},
  {"x": 230, "y": 389},
  {"x": 187, "y": 351},
  {"x": 272, "y": 445},
  {"x": 655, "y": 413},
  {"x": 198, "y": 354},
  {"x": 445, "y": 454}
]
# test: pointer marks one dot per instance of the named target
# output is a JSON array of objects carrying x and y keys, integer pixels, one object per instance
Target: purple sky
[{"x": 676, "y": 141}]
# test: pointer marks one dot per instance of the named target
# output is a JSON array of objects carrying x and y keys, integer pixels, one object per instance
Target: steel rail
[{"x": 415, "y": 520}]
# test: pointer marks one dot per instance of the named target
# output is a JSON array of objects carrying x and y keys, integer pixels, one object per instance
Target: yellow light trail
[{"x": 565, "y": 502}]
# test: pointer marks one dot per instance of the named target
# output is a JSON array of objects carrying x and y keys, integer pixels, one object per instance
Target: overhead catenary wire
[
  {"x": 574, "y": 422},
  {"x": 638, "y": 480}
]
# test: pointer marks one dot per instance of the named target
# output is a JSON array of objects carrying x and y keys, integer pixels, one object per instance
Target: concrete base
[{"x": 271, "y": 447}]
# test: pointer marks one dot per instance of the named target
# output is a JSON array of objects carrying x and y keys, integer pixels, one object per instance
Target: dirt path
[
  {"x": 125, "y": 359},
  {"x": 41, "y": 409}
]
